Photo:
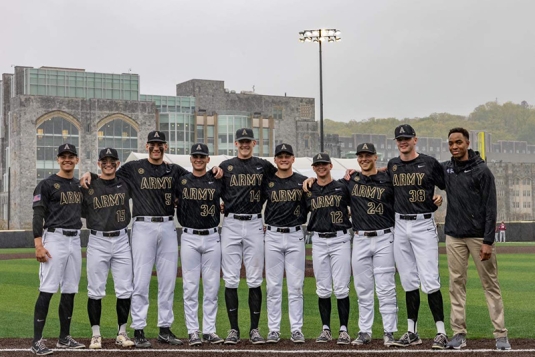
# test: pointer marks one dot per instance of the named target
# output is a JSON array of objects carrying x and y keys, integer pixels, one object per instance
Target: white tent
[{"x": 301, "y": 165}]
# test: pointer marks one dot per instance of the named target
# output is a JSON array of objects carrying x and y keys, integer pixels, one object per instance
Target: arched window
[
  {"x": 53, "y": 131},
  {"x": 119, "y": 133}
]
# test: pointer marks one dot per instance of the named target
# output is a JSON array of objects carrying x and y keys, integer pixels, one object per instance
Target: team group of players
[{"x": 396, "y": 203}]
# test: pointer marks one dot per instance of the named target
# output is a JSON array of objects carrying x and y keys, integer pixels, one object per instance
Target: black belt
[
  {"x": 284, "y": 230},
  {"x": 109, "y": 233},
  {"x": 200, "y": 232},
  {"x": 64, "y": 232},
  {"x": 244, "y": 217},
  {"x": 330, "y": 234},
  {"x": 155, "y": 219},
  {"x": 414, "y": 217},
  {"x": 376, "y": 233}
]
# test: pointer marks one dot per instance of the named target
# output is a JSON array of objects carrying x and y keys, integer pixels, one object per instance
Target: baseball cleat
[
  {"x": 39, "y": 348},
  {"x": 362, "y": 339},
  {"x": 388, "y": 339},
  {"x": 408, "y": 339},
  {"x": 96, "y": 343},
  {"x": 166, "y": 336},
  {"x": 457, "y": 342},
  {"x": 440, "y": 341},
  {"x": 140, "y": 341},
  {"x": 273, "y": 337},
  {"x": 233, "y": 337},
  {"x": 123, "y": 340},
  {"x": 297, "y": 337},
  {"x": 195, "y": 339},
  {"x": 324, "y": 337},
  {"x": 502, "y": 343},
  {"x": 212, "y": 338},
  {"x": 343, "y": 338},
  {"x": 69, "y": 342},
  {"x": 255, "y": 338}
]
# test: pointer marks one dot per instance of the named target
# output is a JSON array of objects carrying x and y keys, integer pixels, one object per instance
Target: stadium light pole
[{"x": 319, "y": 36}]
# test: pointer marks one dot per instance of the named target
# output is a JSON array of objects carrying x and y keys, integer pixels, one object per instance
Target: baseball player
[
  {"x": 414, "y": 177},
  {"x": 107, "y": 211},
  {"x": 469, "y": 228},
  {"x": 284, "y": 244},
  {"x": 198, "y": 213},
  {"x": 58, "y": 201},
  {"x": 329, "y": 223},
  {"x": 372, "y": 206},
  {"x": 242, "y": 232}
]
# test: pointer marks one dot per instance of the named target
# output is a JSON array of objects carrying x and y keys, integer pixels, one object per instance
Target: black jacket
[{"x": 471, "y": 193}]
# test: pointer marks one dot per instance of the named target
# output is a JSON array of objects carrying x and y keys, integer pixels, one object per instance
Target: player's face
[
  {"x": 406, "y": 145},
  {"x": 108, "y": 166},
  {"x": 458, "y": 146},
  {"x": 67, "y": 162},
  {"x": 322, "y": 169},
  {"x": 366, "y": 161},
  {"x": 284, "y": 161},
  {"x": 156, "y": 150},
  {"x": 199, "y": 162},
  {"x": 245, "y": 148}
]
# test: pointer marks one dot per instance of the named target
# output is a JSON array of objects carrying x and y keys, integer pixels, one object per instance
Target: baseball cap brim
[{"x": 404, "y": 136}]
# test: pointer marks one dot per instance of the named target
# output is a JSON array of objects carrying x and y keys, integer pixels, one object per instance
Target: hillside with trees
[{"x": 508, "y": 121}]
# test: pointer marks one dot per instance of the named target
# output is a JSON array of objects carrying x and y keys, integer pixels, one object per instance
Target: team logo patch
[
  {"x": 141, "y": 171},
  {"x": 56, "y": 186},
  {"x": 183, "y": 182},
  {"x": 309, "y": 194},
  {"x": 357, "y": 178},
  {"x": 271, "y": 184},
  {"x": 394, "y": 168},
  {"x": 37, "y": 198},
  {"x": 230, "y": 167},
  {"x": 91, "y": 191}
]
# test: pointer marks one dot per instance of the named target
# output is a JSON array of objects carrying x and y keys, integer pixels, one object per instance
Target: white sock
[
  {"x": 343, "y": 328},
  {"x": 325, "y": 327},
  {"x": 96, "y": 330},
  {"x": 122, "y": 328},
  {"x": 411, "y": 325},
  {"x": 440, "y": 327}
]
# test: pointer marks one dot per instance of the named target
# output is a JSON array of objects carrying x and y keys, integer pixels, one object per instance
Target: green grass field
[{"x": 19, "y": 289}]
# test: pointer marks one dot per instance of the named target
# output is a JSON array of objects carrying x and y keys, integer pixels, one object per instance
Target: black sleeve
[
  {"x": 438, "y": 174},
  {"x": 488, "y": 186},
  {"x": 37, "y": 223},
  {"x": 93, "y": 176},
  {"x": 270, "y": 168}
]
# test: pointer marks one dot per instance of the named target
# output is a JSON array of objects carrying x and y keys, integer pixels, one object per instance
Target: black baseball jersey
[
  {"x": 328, "y": 207},
  {"x": 199, "y": 201},
  {"x": 242, "y": 192},
  {"x": 62, "y": 200},
  {"x": 151, "y": 186},
  {"x": 286, "y": 204},
  {"x": 372, "y": 201},
  {"x": 106, "y": 205},
  {"x": 414, "y": 183}
]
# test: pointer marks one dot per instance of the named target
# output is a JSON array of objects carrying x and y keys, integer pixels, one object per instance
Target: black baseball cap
[
  {"x": 244, "y": 134},
  {"x": 366, "y": 147},
  {"x": 321, "y": 157},
  {"x": 108, "y": 152},
  {"x": 404, "y": 131},
  {"x": 156, "y": 136},
  {"x": 199, "y": 149},
  {"x": 287, "y": 148},
  {"x": 70, "y": 148}
]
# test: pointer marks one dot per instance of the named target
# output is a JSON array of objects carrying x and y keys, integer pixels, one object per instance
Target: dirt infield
[{"x": 485, "y": 347}]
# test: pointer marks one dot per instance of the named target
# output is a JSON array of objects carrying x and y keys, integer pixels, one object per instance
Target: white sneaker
[
  {"x": 96, "y": 343},
  {"x": 123, "y": 340}
]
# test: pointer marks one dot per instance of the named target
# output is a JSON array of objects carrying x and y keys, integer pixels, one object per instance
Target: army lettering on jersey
[
  {"x": 62, "y": 201},
  {"x": 328, "y": 207},
  {"x": 286, "y": 204},
  {"x": 414, "y": 183},
  {"x": 106, "y": 205},
  {"x": 151, "y": 186},
  {"x": 198, "y": 201},
  {"x": 243, "y": 179},
  {"x": 372, "y": 201}
]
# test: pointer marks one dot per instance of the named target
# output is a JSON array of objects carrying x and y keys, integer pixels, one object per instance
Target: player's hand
[
  {"x": 85, "y": 180},
  {"x": 217, "y": 171},
  {"x": 307, "y": 184},
  {"x": 348, "y": 174},
  {"x": 485, "y": 252},
  {"x": 382, "y": 169},
  {"x": 222, "y": 207},
  {"x": 437, "y": 200},
  {"x": 41, "y": 254}
]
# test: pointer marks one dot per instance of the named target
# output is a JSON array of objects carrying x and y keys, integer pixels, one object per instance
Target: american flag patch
[{"x": 37, "y": 198}]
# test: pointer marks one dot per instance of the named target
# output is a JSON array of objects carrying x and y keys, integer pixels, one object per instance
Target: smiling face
[
  {"x": 458, "y": 145},
  {"x": 67, "y": 162},
  {"x": 367, "y": 161},
  {"x": 406, "y": 145},
  {"x": 284, "y": 161},
  {"x": 156, "y": 151},
  {"x": 199, "y": 162},
  {"x": 245, "y": 148},
  {"x": 108, "y": 166},
  {"x": 322, "y": 169}
]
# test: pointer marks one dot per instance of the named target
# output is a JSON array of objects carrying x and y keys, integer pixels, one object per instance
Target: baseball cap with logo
[
  {"x": 199, "y": 149},
  {"x": 321, "y": 157},
  {"x": 156, "y": 136},
  {"x": 108, "y": 152},
  {"x": 287, "y": 148},
  {"x": 244, "y": 134},
  {"x": 366, "y": 147},
  {"x": 70, "y": 148},
  {"x": 404, "y": 131}
]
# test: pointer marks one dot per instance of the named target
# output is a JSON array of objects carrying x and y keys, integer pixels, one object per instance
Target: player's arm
[
  {"x": 488, "y": 190},
  {"x": 438, "y": 174},
  {"x": 39, "y": 212},
  {"x": 307, "y": 184}
]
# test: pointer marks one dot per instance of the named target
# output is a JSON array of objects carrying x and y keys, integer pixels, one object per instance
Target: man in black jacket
[{"x": 469, "y": 228}]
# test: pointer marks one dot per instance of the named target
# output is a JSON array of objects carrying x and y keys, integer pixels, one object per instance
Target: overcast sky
[{"x": 397, "y": 58}]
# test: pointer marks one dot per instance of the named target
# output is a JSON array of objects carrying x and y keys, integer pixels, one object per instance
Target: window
[{"x": 119, "y": 135}]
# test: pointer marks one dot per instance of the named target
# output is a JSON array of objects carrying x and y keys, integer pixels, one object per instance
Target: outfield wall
[{"x": 516, "y": 232}]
